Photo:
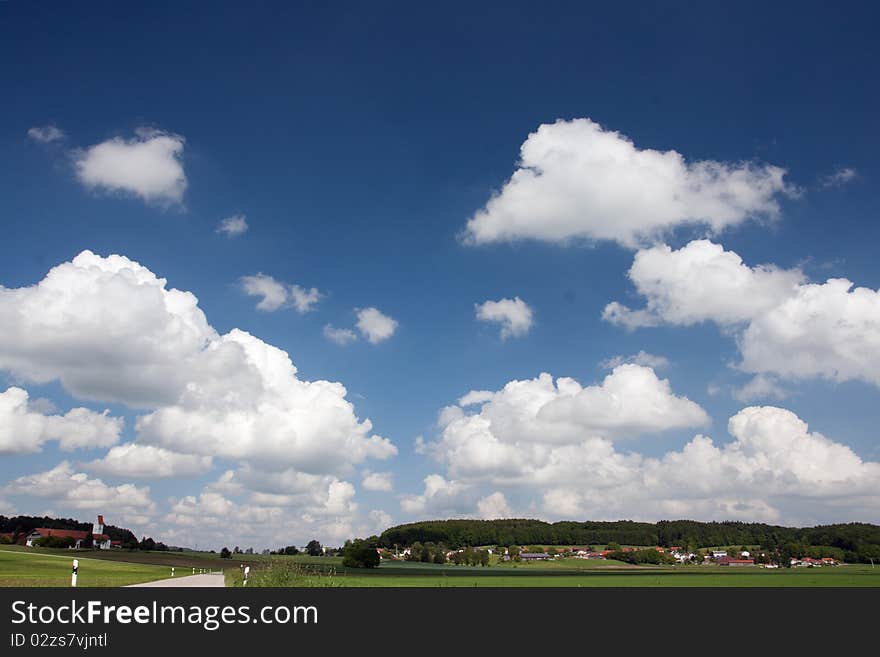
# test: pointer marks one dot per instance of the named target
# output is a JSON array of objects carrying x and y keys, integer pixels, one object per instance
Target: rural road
[{"x": 187, "y": 581}]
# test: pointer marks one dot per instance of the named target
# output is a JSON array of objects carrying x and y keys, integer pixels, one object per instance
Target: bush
[
  {"x": 358, "y": 555},
  {"x": 649, "y": 556},
  {"x": 56, "y": 542}
]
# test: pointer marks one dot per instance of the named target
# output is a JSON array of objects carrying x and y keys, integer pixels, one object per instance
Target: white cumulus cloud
[
  {"x": 784, "y": 326},
  {"x": 522, "y": 422},
  {"x": 701, "y": 282},
  {"x": 377, "y": 481},
  {"x": 577, "y": 180},
  {"x": 75, "y": 490},
  {"x": 493, "y": 506},
  {"x": 374, "y": 325},
  {"x": 275, "y": 294},
  {"x": 148, "y": 166},
  {"x": 24, "y": 429},
  {"x": 108, "y": 329},
  {"x": 440, "y": 497},
  {"x": 135, "y": 461},
  {"x": 514, "y": 316},
  {"x": 775, "y": 470}
]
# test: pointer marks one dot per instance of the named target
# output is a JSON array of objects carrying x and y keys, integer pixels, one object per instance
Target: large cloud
[
  {"x": 784, "y": 326},
  {"x": 578, "y": 180},
  {"x": 109, "y": 329},
  {"x": 378, "y": 481},
  {"x": 148, "y": 462},
  {"x": 276, "y": 508},
  {"x": 24, "y": 429},
  {"x": 774, "y": 470},
  {"x": 249, "y": 405},
  {"x": 75, "y": 490},
  {"x": 701, "y": 282},
  {"x": 147, "y": 166},
  {"x": 519, "y": 427},
  {"x": 831, "y": 330},
  {"x": 440, "y": 497}
]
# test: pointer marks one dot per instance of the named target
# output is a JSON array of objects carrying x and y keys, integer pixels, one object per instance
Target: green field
[
  {"x": 29, "y": 567},
  {"x": 328, "y": 572},
  {"x": 46, "y": 567}
]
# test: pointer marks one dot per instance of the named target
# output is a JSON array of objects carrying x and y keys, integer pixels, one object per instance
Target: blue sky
[{"x": 358, "y": 142}]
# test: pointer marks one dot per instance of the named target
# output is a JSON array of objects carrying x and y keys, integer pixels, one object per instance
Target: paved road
[{"x": 190, "y": 581}]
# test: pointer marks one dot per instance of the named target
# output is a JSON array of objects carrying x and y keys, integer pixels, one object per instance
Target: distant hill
[
  {"x": 860, "y": 541},
  {"x": 25, "y": 524}
]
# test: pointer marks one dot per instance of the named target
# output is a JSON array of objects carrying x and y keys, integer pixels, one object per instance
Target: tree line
[{"x": 854, "y": 542}]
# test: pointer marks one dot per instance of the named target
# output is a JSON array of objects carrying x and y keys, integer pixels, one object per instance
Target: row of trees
[{"x": 462, "y": 533}]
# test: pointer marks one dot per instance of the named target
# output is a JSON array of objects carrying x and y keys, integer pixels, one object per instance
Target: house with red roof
[{"x": 82, "y": 538}]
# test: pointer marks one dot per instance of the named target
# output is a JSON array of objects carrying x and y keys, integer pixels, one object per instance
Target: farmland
[
  {"x": 45, "y": 567},
  {"x": 287, "y": 571},
  {"x": 42, "y": 568}
]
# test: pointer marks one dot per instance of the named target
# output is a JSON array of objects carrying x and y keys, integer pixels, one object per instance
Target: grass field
[
  {"x": 42, "y": 568},
  {"x": 45, "y": 567},
  {"x": 328, "y": 572}
]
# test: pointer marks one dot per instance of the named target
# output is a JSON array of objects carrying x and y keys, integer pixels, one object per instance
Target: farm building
[
  {"x": 728, "y": 561},
  {"x": 46, "y": 532},
  {"x": 82, "y": 539}
]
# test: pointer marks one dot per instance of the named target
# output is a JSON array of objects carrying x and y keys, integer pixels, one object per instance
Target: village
[{"x": 730, "y": 557}]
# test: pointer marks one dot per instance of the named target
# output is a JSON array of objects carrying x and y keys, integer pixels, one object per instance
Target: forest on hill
[{"x": 858, "y": 541}]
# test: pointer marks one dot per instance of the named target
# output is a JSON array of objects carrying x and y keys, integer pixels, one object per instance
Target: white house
[{"x": 100, "y": 540}]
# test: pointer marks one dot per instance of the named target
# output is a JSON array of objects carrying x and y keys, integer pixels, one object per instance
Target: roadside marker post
[
  {"x": 247, "y": 571},
  {"x": 172, "y": 571},
  {"x": 73, "y": 574}
]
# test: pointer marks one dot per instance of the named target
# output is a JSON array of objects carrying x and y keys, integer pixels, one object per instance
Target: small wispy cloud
[
  {"x": 233, "y": 226},
  {"x": 839, "y": 178},
  {"x": 46, "y": 134},
  {"x": 642, "y": 358},
  {"x": 276, "y": 294},
  {"x": 341, "y": 336}
]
